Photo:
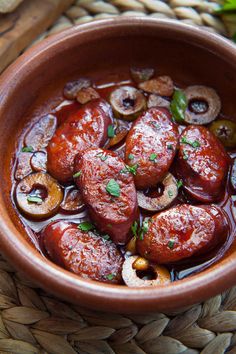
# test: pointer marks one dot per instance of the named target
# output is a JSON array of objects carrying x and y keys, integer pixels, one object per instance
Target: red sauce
[{"x": 179, "y": 270}]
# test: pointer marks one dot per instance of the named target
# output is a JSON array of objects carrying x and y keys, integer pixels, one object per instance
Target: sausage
[
  {"x": 83, "y": 253},
  {"x": 202, "y": 164},
  {"x": 112, "y": 214},
  {"x": 181, "y": 232},
  {"x": 85, "y": 128},
  {"x": 151, "y": 143}
]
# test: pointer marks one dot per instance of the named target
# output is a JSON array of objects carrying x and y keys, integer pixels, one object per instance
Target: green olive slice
[
  {"x": 225, "y": 130},
  {"x": 127, "y": 102},
  {"x": 38, "y": 195}
]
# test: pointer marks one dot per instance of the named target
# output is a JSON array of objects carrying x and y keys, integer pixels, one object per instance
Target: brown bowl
[{"x": 190, "y": 56}]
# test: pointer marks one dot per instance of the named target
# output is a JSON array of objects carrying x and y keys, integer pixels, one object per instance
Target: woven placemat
[{"x": 33, "y": 321}]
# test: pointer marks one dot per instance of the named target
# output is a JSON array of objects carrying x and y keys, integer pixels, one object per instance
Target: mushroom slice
[
  {"x": 127, "y": 102},
  {"x": 87, "y": 94},
  {"x": 204, "y": 105},
  {"x": 140, "y": 75},
  {"x": 141, "y": 277},
  {"x": 73, "y": 87},
  {"x": 169, "y": 194},
  {"x": 157, "y": 101},
  {"x": 38, "y": 195},
  {"x": 72, "y": 202},
  {"x": 162, "y": 85}
]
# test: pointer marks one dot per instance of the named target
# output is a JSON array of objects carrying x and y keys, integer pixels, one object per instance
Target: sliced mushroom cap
[
  {"x": 157, "y": 101},
  {"x": 39, "y": 161},
  {"x": 73, "y": 202},
  {"x": 160, "y": 275},
  {"x": 127, "y": 102},
  {"x": 73, "y": 87},
  {"x": 169, "y": 194},
  {"x": 162, "y": 85},
  {"x": 141, "y": 74},
  {"x": 204, "y": 105},
  {"x": 87, "y": 94},
  {"x": 38, "y": 195}
]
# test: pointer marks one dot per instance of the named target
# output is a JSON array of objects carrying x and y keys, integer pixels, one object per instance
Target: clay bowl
[{"x": 187, "y": 54}]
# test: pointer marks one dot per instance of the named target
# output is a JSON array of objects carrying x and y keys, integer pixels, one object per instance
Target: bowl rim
[{"x": 89, "y": 293}]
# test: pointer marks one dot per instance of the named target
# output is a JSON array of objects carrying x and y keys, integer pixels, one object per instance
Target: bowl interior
[{"x": 188, "y": 55}]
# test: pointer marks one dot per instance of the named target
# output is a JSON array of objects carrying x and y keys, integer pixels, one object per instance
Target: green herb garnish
[
  {"x": 34, "y": 199},
  {"x": 170, "y": 194},
  {"x": 131, "y": 157},
  {"x": 144, "y": 228},
  {"x": 110, "y": 276},
  {"x": 113, "y": 188},
  {"x": 110, "y": 131},
  {"x": 106, "y": 237},
  {"x": 86, "y": 226},
  {"x": 153, "y": 157},
  {"x": 77, "y": 174},
  {"x": 27, "y": 149},
  {"x": 156, "y": 125},
  {"x": 185, "y": 157},
  {"x": 194, "y": 144},
  {"x": 179, "y": 183},
  {"x": 134, "y": 228},
  {"x": 102, "y": 156},
  {"x": 178, "y": 106},
  {"x": 171, "y": 244},
  {"x": 131, "y": 169},
  {"x": 170, "y": 147}
]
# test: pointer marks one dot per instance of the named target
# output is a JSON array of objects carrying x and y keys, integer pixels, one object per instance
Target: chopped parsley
[
  {"x": 170, "y": 194},
  {"x": 27, "y": 149},
  {"x": 102, "y": 156},
  {"x": 170, "y": 147},
  {"x": 178, "y": 106},
  {"x": 195, "y": 144},
  {"x": 144, "y": 228},
  {"x": 153, "y": 157},
  {"x": 86, "y": 226},
  {"x": 77, "y": 174},
  {"x": 179, "y": 183},
  {"x": 106, "y": 237},
  {"x": 171, "y": 244},
  {"x": 34, "y": 199},
  {"x": 131, "y": 157},
  {"x": 110, "y": 276},
  {"x": 185, "y": 157},
  {"x": 156, "y": 125},
  {"x": 113, "y": 188},
  {"x": 131, "y": 169},
  {"x": 134, "y": 228},
  {"x": 110, "y": 131}
]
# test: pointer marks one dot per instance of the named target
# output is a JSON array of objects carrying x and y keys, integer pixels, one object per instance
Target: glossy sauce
[{"x": 178, "y": 271}]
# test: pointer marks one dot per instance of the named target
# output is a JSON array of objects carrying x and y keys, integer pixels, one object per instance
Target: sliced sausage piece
[
  {"x": 202, "y": 164},
  {"x": 152, "y": 144},
  {"x": 83, "y": 253},
  {"x": 109, "y": 192},
  {"x": 85, "y": 128},
  {"x": 182, "y": 232}
]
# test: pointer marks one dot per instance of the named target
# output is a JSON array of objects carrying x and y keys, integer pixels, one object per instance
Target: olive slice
[
  {"x": 204, "y": 105},
  {"x": 87, "y": 94},
  {"x": 169, "y": 194},
  {"x": 157, "y": 101},
  {"x": 150, "y": 275},
  {"x": 39, "y": 161},
  {"x": 225, "y": 130},
  {"x": 23, "y": 167},
  {"x": 162, "y": 85},
  {"x": 141, "y": 74},
  {"x": 127, "y": 102},
  {"x": 38, "y": 195},
  {"x": 73, "y": 87},
  {"x": 72, "y": 202},
  {"x": 42, "y": 131}
]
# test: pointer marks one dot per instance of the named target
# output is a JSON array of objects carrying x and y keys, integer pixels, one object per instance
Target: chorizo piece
[
  {"x": 108, "y": 190},
  {"x": 85, "y": 128},
  {"x": 181, "y": 232},
  {"x": 202, "y": 164},
  {"x": 83, "y": 253},
  {"x": 151, "y": 145}
]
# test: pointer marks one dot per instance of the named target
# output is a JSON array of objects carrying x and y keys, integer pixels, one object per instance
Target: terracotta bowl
[{"x": 190, "y": 56}]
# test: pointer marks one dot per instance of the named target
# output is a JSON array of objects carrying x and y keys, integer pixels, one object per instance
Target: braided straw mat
[{"x": 33, "y": 321}]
